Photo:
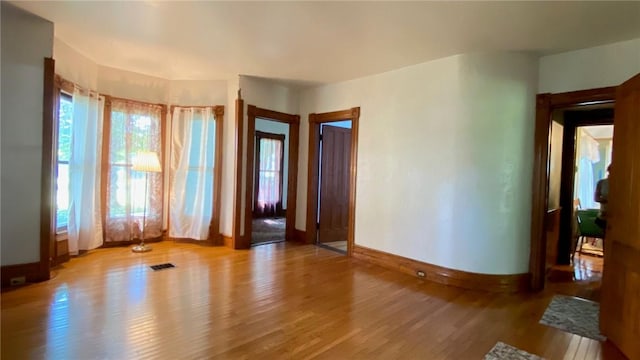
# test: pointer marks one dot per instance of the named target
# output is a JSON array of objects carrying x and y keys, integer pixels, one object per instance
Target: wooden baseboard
[
  {"x": 300, "y": 235},
  {"x": 107, "y": 244},
  {"x": 207, "y": 242},
  {"x": 442, "y": 275},
  {"x": 227, "y": 241},
  {"x": 31, "y": 273},
  {"x": 62, "y": 252}
]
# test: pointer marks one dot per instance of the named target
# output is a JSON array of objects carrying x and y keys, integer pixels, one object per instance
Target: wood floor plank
[{"x": 277, "y": 301}]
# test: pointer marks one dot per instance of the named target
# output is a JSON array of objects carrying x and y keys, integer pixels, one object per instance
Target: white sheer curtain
[
  {"x": 191, "y": 172},
  {"x": 85, "y": 220},
  {"x": 588, "y": 154}
]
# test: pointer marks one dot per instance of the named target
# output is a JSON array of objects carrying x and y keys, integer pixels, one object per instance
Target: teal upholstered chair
[{"x": 587, "y": 227}]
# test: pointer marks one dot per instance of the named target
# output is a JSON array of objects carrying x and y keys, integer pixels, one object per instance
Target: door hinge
[
  {"x": 317, "y": 226},
  {"x": 320, "y": 137}
]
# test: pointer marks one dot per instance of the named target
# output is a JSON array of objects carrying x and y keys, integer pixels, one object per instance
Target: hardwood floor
[
  {"x": 273, "y": 301},
  {"x": 338, "y": 245}
]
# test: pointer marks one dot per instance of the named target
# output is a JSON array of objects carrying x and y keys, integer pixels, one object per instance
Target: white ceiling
[{"x": 322, "y": 41}]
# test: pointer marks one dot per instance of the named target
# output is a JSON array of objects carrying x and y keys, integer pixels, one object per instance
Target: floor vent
[{"x": 162, "y": 266}]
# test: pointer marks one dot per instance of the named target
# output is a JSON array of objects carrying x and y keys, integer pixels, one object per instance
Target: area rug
[
  {"x": 574, "y": 315},
  {"x": 502, "y": 351},
  {"x": 267, "y": 230}
]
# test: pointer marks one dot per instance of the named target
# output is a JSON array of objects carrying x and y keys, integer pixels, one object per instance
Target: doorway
[
  {"x": 550, "y": 240},
  {"x": 582, "y": 154},
  {"x": 333, "y": 187},
  {"x": 272, "y": 174},
  {"x": 619, "y": 311},
  {"x": 594, "y": 144},
  {"x": 580, "y": 146},
  {"x": 333, "y": 143},
  {"x": 270, "y": 182}
]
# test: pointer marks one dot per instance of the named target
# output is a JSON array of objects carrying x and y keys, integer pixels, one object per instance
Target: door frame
[
  {"x": 546, "y": 103},
  {"x": 315, "y": 120},
  {"x": 572, "y": 121},
  {"x": 254, "y": 112}
]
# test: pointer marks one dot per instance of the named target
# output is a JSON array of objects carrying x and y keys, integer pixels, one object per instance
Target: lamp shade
[{"x": 146, "y": 161}]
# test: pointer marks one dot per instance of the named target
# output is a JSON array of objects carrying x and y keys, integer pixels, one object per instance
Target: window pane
[
  {"x": 62, "y": 196},
  {"x": 118, "y": 203},
  {"x": 141, "y": 128},
  {"x": 65, "y": 121},
  {"x": 134, "y": 127},
  {"x": 118, "y": 146},
  {"x": 65, "y": 116}
]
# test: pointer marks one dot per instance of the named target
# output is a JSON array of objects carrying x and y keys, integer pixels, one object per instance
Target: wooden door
[
  {"x": 620, "y": 303},
  {"x": 334, "y": 184}
]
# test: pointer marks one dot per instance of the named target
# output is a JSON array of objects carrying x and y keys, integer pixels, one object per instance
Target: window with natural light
[
  {"x": 128, "y": 138},
  {"x": 134, "y": 199},
  {"x": 65, "y": 121}
]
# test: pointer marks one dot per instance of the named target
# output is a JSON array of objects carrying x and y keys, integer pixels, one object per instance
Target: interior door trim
[
  {"x": 545, "y": 105},
  {"x": 315, "y": 120},
  {"x": 254, "y": 112}
]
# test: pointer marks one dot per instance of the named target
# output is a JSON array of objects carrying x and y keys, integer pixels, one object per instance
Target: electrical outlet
[
  {"x": 420, "y": 273},
  {"x": 17, "y": 280}
]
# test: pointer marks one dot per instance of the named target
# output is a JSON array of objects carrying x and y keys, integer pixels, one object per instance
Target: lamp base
[{"x": 141, "y": 248}]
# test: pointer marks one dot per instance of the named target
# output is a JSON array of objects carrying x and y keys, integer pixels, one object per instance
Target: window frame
[
  {"x": 106, "y": 164},
  {"x": 215, "y": 235},
  {"x": 60, "y": 92}
]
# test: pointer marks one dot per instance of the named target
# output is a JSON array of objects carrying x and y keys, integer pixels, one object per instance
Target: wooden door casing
[
  {"x": 334, "y": 184},
  {"x": 620, "y": 303}
]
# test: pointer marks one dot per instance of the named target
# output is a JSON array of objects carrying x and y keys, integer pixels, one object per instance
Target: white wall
[
  {"x": 444, "y": 159},
  {"x": 134, "y": 86},
  {"x": 267, "y": 95},
  {"x": 275, "y": 127},
  {"x": 602, "y": 66},
  {"x": 229, "y": 158},
  {"x": 26, "y": 41},
  {"x": 73, "y": 66},
  {"x": 198, "y": 93}
]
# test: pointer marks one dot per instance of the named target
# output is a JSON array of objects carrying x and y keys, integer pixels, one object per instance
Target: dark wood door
[
  {"x": 620, "y": 303},
  {"x": 334, "y": 184}
]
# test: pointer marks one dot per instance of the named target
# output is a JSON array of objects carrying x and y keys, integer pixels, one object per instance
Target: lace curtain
[
  {"x": 193, "y": 138},
  {"x": 269, "y": 175},
  {"x": 133, "y": 127}
]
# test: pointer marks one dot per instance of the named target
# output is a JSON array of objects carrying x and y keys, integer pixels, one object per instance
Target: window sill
[{"x": 62, "y": 235}]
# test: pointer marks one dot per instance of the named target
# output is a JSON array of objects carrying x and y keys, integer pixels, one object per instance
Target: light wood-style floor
[
  {"x": 338, "y": 245},
  {"x": 271, "y": 302}
]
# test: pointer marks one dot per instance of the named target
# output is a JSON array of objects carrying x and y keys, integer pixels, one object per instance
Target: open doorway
[
  {"x": 272, "y": 168},
  {"x": 580, "y": 144},
  {"x": 331, "y": 181},
  {"x": 618, "y": 309},
  {"x": 593, "y": 158},
  {"x": 270, "y": 182}
]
